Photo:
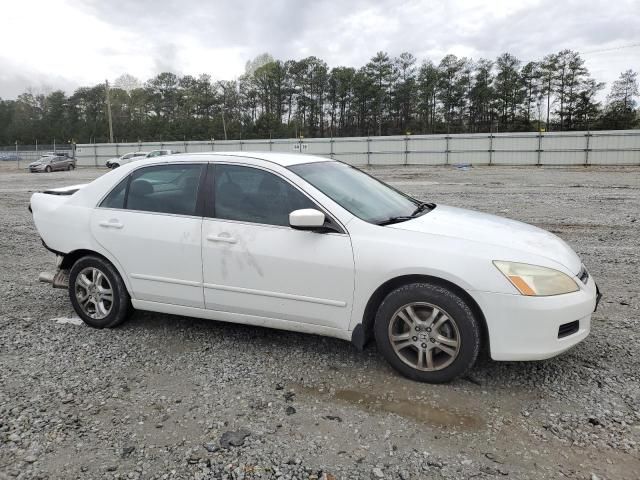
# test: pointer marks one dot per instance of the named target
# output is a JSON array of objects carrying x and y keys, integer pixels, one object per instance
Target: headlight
[{"x": 532, "y": 280}]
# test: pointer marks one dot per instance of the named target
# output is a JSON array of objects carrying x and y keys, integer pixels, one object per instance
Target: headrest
[
  {"x": 191, "y": 183},
  {"x": 269, "y": 185},
  {"x": 140, "y": 188}
]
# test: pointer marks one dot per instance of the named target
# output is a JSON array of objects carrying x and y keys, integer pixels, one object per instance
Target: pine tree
[{"x": 624, "y": 91}]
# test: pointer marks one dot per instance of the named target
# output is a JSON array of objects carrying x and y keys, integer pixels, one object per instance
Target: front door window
[{"x": 252, "y": 195}]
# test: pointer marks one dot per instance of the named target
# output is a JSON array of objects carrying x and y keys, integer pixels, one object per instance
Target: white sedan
[
  {"x": 314, "y": 245},
  {"x": 126, "y": 158}
]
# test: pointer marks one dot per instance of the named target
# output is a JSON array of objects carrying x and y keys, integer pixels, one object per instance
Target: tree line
[{"x": 281, "y": 99}]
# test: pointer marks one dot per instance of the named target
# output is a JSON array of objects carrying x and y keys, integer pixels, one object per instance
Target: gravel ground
[{"x": 157, "y": 397}]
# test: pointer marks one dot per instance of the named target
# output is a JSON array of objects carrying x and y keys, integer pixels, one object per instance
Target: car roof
[{"x": 280, "y": 158}]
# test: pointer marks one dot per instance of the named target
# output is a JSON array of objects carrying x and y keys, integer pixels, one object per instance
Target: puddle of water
[{"x": 412, "y": 409}]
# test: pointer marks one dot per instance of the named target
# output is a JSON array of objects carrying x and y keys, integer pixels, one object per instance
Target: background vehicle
[
  {"x": 159, "y": 153},
  {"x": 309, "y": 244},
  {"x": 9, "y": 157},
  {"x": 130, "y": 157},
  {"x": 53, "y": 162},
  {"x": 126, "y": 158}
]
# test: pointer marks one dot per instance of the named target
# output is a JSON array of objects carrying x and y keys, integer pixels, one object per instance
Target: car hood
[
  {"x": 38, "y": 162},
  {"x": 494, "y": 230}
]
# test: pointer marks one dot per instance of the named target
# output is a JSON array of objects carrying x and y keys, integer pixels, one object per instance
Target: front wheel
[
  {"x": 97, "y": 293},
  {"x": 427, "y": 332},
  {"x": 47, "y": 169}
]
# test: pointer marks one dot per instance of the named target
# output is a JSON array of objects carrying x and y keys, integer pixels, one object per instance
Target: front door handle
[
  {"x": 223, "y": 237},
  {"x": 113, "y": 223}
]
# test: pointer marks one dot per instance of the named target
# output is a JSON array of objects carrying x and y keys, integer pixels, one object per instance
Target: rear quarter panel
[{"x": 64, "y": 227}]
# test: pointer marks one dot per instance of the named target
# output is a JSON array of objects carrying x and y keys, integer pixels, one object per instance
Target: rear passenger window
[
  {"x": 115, "y": 199},
  {"x": 163, "y": 188}
]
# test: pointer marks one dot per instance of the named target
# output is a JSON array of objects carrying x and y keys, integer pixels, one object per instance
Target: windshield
[{"x": 361, "y": 194}]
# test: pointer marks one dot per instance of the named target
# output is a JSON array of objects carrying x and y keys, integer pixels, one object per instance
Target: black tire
[
  {"x": 70, "y": 167},
  {"x": 114, "y": 166},
  {"x": 47, "y": 169},
  {"x": 119, "y": 308},
  {"x": 462, "y": 325}
]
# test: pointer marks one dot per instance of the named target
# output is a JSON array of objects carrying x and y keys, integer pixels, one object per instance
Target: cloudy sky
[{"x": 50, "y": 44}]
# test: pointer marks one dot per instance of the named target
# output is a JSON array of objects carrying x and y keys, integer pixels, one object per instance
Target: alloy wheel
[
  {"x": 424, "y": 336},
  {"x": 94, "y": 293}
]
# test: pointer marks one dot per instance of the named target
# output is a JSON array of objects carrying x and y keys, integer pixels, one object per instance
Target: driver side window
[{"x": 248, "y": 194}]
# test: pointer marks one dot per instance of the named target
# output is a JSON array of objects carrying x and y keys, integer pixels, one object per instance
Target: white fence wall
[{"x": 619, "y": 147}]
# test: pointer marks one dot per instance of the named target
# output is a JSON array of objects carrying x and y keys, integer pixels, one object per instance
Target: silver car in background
[{"x": 52, "y": 162}]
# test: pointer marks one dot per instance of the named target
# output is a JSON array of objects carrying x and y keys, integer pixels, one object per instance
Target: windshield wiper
[
  {"x": 423, "y": 206},
  {"x": 403, "y": 218},
  {"x": 397, "y": 219}
]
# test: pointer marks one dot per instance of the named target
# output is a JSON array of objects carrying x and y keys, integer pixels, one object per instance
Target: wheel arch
[
  {"x": 72, "y": 257},
  {"x": 363, "y": 331}
]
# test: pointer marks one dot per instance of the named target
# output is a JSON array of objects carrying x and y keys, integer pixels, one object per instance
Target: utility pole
[
  {"x": 224, "y": 104},
  {"x": 109, "y": 112},
  {"x": 224, "y": 125}
]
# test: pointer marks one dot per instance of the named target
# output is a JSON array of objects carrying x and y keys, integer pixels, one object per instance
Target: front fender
[{"x": 383, "y": 255}]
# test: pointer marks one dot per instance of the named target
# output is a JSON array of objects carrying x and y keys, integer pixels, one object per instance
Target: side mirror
[{"x": 306, "y": 219}]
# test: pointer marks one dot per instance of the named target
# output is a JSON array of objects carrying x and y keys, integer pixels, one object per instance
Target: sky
[{"x": 64, "y": 44}]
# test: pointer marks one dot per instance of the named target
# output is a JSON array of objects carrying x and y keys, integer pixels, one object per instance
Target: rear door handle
[
  {"x": 223, "y": 237},
  {"x": 113, "y": 223}
]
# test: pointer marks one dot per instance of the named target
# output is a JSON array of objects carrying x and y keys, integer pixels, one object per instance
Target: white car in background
[
  {"x": 313, "y": 245},
  {"x": 160, "y": 153},
  {"x": 124, "y": 159},
  {"x": 130, "y": 157}
]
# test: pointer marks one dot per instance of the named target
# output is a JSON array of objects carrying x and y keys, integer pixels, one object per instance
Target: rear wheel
[
  {"x": 98, "y": 293},
  {"x": 427, "y": 332},
  {"x": 71, "y": 167}
]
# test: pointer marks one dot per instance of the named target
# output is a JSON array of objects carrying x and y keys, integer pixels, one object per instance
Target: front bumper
[{"x": 528, "y": 328}]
